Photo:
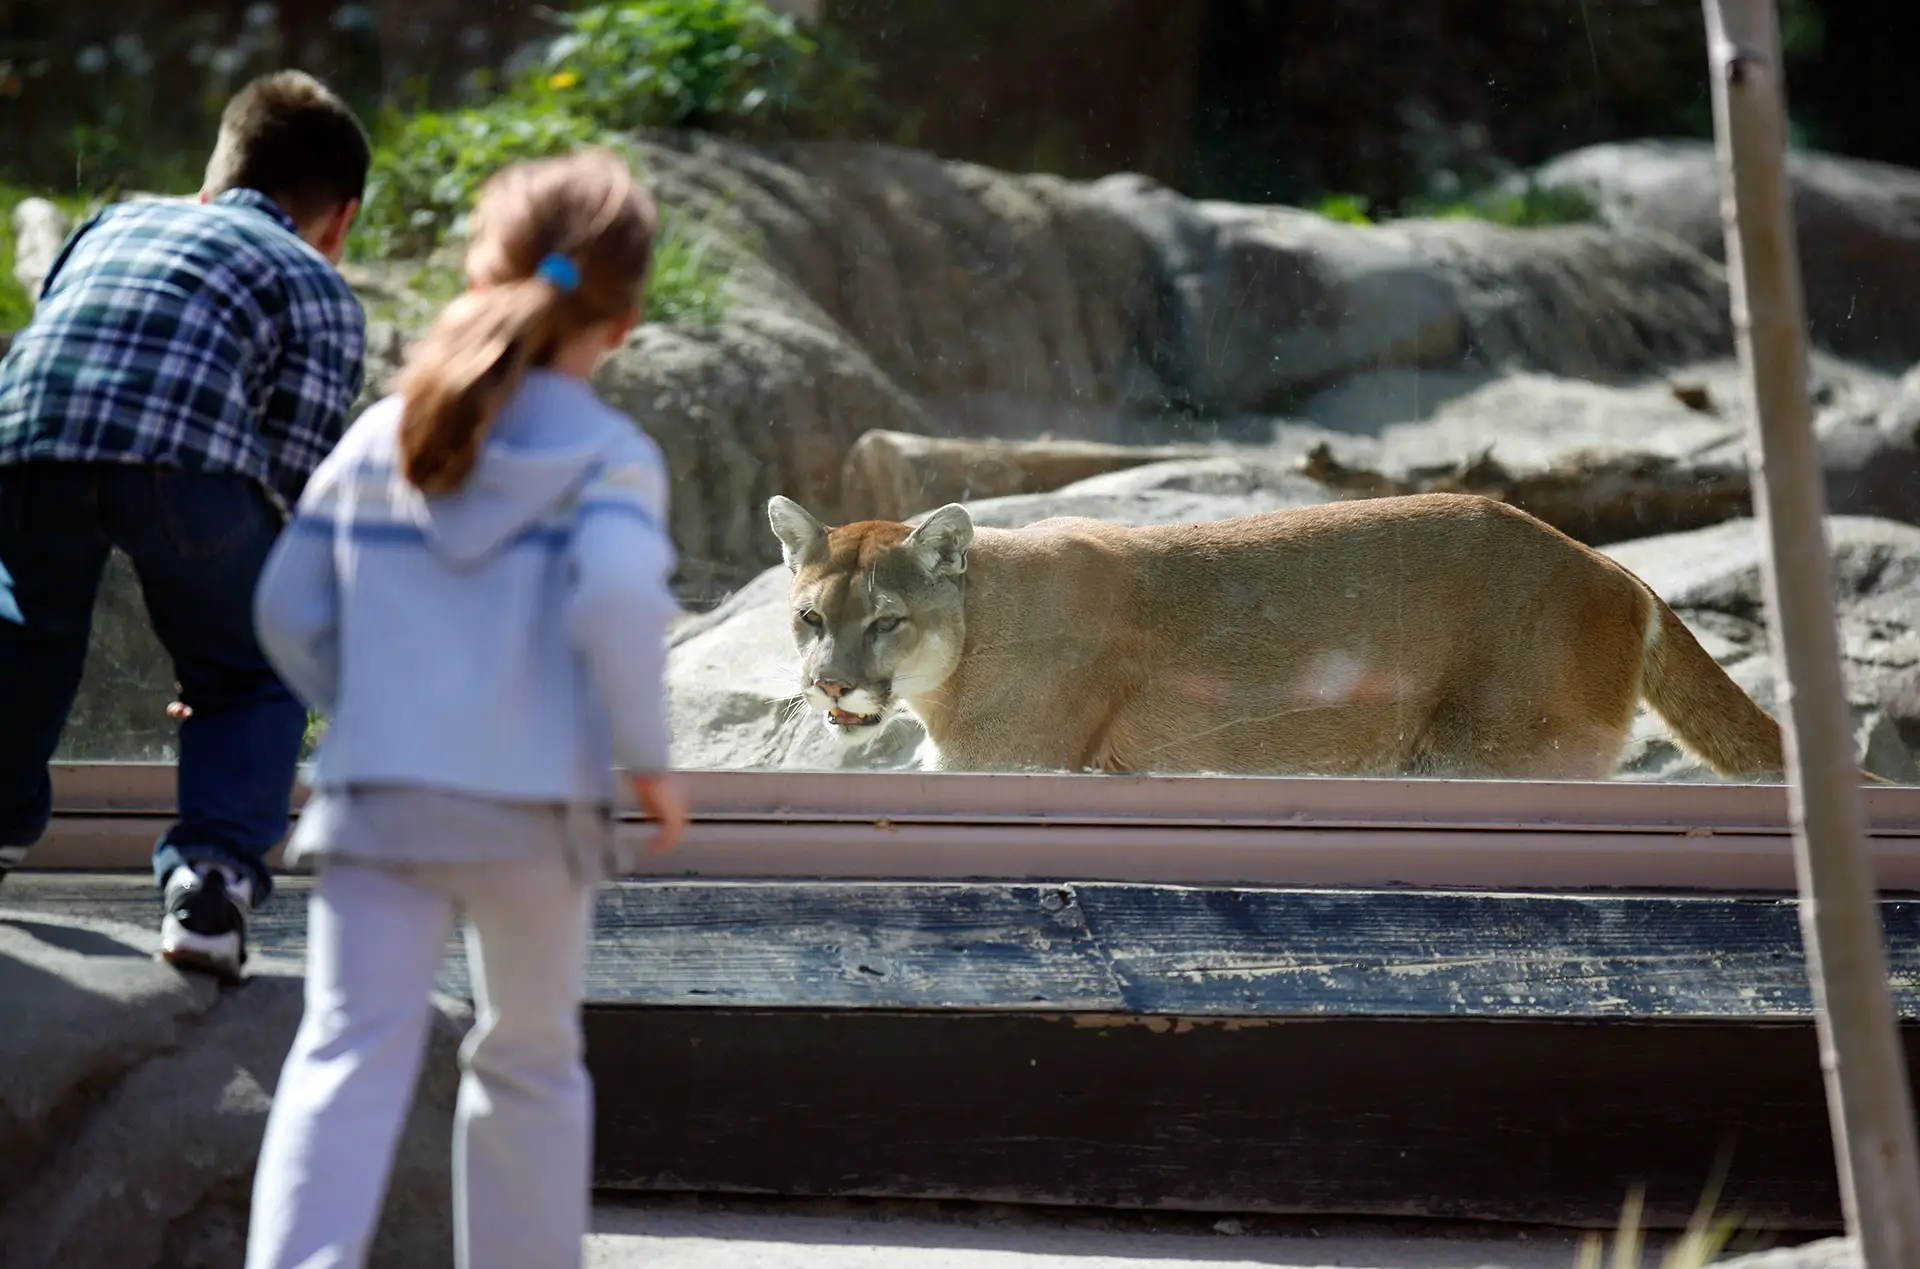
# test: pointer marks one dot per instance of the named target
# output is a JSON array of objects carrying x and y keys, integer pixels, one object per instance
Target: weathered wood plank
[
  {"x": 1267, "y": 953},
  {"x": 894, "y": 946},
  {"x": 1152, "y": 950},
  {"x": 1450, "y": 1118},
  {"x": 983, "y": 946},
  {"x": 1374, "y": 1064}
]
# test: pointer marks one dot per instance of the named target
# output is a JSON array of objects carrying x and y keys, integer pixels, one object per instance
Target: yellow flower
[{"x": 565, "y": 79}]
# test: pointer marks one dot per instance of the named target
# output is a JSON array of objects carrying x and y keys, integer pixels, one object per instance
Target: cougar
[{"x": 1434, "y": 635}]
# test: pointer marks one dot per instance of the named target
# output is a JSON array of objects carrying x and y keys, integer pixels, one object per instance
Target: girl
[{"x": 474, "y": 590}]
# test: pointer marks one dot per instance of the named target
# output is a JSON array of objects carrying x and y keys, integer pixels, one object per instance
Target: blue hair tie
[{"x": 562, "y": 272}]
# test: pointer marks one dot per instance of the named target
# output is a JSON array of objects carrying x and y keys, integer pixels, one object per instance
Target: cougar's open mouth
[{"x": 846, "y": 718}]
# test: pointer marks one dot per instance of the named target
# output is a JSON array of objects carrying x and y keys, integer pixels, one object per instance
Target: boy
[{"x": 187, "y": 368}]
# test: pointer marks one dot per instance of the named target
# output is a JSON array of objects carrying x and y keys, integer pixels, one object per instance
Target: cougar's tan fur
[{"x": 1437, "y": 634}]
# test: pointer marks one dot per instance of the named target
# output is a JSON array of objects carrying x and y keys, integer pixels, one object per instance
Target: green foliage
[
  {"x": 316, "y": 728},
  {"x": 1530, "y": 206},
  {"x": 428, "y": 170},
  {"x": 427, "y": 167},
  {"x": 1348, "y": 209},
  {"x": 734, "y": 66},
  {"x": 1698, "y": 1246},
  {"x": 688, "y": 286}
]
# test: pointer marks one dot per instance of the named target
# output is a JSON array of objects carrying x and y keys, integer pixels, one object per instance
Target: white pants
[{"x": 522, "y": 1138}]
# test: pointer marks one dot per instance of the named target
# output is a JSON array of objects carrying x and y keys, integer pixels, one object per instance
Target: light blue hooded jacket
[{"x": 507, "y": 640}]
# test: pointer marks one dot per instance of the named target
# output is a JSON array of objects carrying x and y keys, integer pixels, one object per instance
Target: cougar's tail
[{"x": 1706, "y": 709}]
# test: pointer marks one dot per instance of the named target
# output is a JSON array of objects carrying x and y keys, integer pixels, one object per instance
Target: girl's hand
[
  {"x": 664, "y": 799},
  {"x": 178, "y": 710}
]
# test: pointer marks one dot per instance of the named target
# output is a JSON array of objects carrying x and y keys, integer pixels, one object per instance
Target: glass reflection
[{"x": 1155, "y": 263}]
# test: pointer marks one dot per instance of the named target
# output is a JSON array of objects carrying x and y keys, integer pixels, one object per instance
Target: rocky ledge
[{"x": 133, "y": 1105}]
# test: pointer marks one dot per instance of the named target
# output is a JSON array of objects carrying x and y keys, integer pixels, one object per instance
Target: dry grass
[{"x": 1704, "y": 1238}]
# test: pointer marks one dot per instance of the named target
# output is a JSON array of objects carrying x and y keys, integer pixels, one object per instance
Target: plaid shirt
[{"x": 201, "y": 336}]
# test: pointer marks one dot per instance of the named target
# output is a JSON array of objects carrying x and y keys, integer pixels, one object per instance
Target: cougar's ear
[
  {"x": 803, "y": 539},
  {"x": 942, "y": 540}
]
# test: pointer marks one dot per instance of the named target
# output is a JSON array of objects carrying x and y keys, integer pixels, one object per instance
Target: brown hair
[
  {"x": 289, "y": 137},
  {"x": 588, "y": 210}
]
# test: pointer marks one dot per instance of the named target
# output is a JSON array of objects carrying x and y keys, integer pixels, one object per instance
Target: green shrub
[
  {"x": 734, "y": 66},
  {"x": 1348, "y": 209},
  {"x": 1531, "y": 206},
  {"x": 688, "y": 286},
  {"x": 427, "y": 167}
]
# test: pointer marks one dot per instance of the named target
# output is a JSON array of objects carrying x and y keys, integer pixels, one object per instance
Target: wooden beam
[
  {"x": 1173, "y": 952},
  {"x": 1444, "y": 1054},
  {"x": 1870, "y": 1103},
  {"x": 1533, "y": 1121}
]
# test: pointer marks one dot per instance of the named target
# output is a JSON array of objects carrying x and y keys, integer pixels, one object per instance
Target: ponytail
[
  {"x": 558, "y": 247},
  {"x": 463, "y": 370}
]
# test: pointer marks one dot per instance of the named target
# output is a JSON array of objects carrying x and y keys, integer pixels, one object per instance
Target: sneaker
[
  {"x": 11, "y": 857},
  {"x": 205, "y": 927}
]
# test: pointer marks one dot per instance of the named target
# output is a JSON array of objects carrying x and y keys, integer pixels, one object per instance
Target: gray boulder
[
  {"x": 120, "y": 713},
  {"x": 875, "y": 287},
  {"x": 892, "y": 475},
  {"x": 1871, "y": 453},
  {"x": 1711, "y": 577},
  {"x": 1399, "y": 422},
  {"x": 1255, "y": 306},
  {"x": 132, "y": 1109},
  {"x": 1858, "y": 229},
  {"x": 1256, "y": 303}
]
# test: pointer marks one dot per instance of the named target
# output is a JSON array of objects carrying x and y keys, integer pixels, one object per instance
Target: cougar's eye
[
  {"x": 812, "y": 618},
  {"x": 883, "y": 625}
]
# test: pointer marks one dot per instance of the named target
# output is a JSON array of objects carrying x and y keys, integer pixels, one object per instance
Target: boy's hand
[
  {"x": 664, "y": 799},
  {"x": 178, "y": 710}
]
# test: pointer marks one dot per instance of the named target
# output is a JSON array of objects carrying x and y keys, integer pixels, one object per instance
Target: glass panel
[{"x": 1164, "y": 264}]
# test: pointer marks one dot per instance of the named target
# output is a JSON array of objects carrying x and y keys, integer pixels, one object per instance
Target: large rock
[
  {"x": 1592, "y": 497},
  {"x": 893, "y": 475},
  {"x": 1401, "y": 422},
  {"x": 1406, "y": 419},
  {"x": 967, "y": 286},
  {"x": 1858, "y": 229},
  {"x": 132, "y": 1109},
  {"x": 120, "y": 713},
  {"x": 39, "y": 230},
  {"x": 880, "y": 288},
  {"x": 1711, "y": 577},
  {"x": 1256, "y": 306},
  {"x": 1256, "y": 303},
  {"x": 765, "y": 403},
  {"x": 1871, "y": 452}
]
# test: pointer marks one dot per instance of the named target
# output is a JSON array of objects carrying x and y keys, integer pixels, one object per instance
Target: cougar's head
[{"x": 876, "y": 608}]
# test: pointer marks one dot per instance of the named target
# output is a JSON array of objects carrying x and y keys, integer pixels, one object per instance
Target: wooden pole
[{"x": 1868, "y": 1100}]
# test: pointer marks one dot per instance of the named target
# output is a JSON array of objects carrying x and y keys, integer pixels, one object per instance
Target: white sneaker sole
[{"x": 217, "y": 954}]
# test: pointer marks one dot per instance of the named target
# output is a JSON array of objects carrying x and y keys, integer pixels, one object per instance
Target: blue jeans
[{"x": 197, "y": 543}]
